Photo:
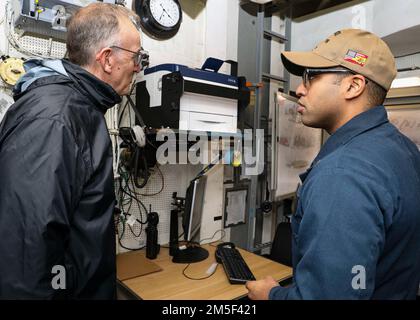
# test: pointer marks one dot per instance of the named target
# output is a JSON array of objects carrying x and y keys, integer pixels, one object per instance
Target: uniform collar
[{"x": 363, "y": 122}]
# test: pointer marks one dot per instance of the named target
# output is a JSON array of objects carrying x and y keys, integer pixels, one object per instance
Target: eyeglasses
[
  {"x": 309, "y": 74},
  {"x": 141, "y": 57}
]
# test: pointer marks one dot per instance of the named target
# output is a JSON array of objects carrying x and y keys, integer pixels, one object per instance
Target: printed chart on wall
[
  {"x": 297, "y": 145},
  {"x": 407, "y": 120}
]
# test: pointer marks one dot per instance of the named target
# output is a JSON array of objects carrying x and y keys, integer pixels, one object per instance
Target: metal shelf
[
  {"x": 273, "y": 77},
  {"x": 275, "y": 36}
]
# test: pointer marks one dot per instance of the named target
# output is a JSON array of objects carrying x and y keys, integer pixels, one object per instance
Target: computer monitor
[
  {"x": 191, "y": 223},
  {"x": 194, "y": 201}
]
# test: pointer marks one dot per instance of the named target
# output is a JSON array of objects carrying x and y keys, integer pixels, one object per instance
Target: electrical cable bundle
[{"x": 126, "y": 198}]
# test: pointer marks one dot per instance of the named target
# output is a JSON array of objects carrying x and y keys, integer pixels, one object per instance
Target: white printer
[{"x": 178, "y": 97}]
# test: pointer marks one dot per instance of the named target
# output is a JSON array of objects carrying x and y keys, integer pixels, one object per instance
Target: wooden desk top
[{"x": 170, "y": 283}]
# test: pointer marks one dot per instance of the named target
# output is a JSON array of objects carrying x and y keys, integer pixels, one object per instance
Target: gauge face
[
  {"x": 165, "y": 12},
  {"x": 161, "y": 19}
]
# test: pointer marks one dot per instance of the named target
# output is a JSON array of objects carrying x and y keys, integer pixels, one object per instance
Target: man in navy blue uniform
[{"x": 356, "y": 231}]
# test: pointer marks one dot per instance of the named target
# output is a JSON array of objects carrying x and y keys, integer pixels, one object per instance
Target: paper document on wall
[
  {"x": 407, "y": 120},
  {"x": 235, "y": 208},
  {"x": 297, "y": 145}
]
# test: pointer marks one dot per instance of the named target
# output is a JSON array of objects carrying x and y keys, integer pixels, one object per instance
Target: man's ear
[
  {"x": 355, "y": 85},
  {"x": 104, "y": 58}
]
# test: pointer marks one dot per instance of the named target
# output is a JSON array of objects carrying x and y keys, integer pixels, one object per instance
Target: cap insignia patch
[{"x": 356, "y": 58}]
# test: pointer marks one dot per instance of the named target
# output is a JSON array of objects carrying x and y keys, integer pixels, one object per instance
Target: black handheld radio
[{"x": 152, "y": 246}]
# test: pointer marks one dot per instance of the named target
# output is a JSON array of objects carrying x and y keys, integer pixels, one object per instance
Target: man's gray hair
[{"x": 94, "y": 27}]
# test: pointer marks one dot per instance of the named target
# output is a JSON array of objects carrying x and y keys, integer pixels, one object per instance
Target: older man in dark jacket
[{"x": 56, "y": 195}]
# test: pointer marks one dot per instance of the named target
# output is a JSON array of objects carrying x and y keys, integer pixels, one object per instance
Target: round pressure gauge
[{"x": 160, "y": 18}]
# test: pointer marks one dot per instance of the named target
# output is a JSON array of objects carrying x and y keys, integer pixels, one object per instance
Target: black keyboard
[{"x": 234, "y": 264}]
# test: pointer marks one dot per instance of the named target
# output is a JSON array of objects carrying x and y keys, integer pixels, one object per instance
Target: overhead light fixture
[
  {"x": 406, "y": 82},
  {"x": 261, "y": 1}
]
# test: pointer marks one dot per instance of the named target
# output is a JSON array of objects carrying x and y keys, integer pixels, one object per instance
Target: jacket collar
[
  {"x": 363, "y": 122},
  {"x": 43, "y": 72},
  {"x": 98, "y": 91}
]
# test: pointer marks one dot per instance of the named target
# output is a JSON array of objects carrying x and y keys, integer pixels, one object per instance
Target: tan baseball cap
[{"x": 355, "y": 49}]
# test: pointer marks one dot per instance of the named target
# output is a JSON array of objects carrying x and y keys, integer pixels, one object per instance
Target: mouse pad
[{"x": 134, "y": 264}]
